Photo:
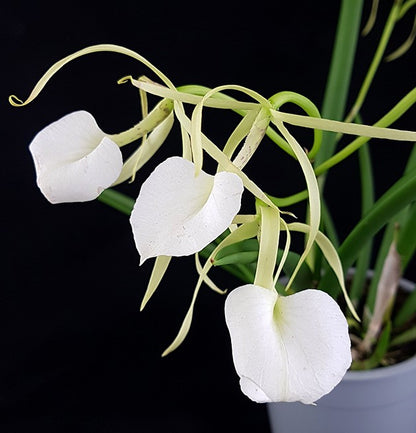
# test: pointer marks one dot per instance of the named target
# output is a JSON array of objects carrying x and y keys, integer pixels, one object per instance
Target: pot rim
[
  {"x": 400, "y": 368},
  {"x": 391, "y": 370}
]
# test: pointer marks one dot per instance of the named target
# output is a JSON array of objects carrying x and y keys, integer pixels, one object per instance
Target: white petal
[
  {"x": 287, "y": 348},
  {"x": 178, "y": 213},
  {"x": 74, "y": 160}
]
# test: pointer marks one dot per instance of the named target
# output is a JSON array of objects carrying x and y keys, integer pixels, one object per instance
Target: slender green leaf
[
  {"x": 405, "y": 337},
  {"x": 248, "y": 245},
  {"x": 379, "y": 352},
  {"x": 336, "y": 92},
  {"x": 242, "y": 257},
  {"x": 393, "y": 201},
  {"x": 367, "y": 200},
  {"x": 406, "y": 240},
  {"x": 377, "y": 58},
  {"x": 406, "y": 311},
  {"x": 243, "y": 272},
  {"x": 339, "y": 78},
  {"x": 328, "y": 224}
]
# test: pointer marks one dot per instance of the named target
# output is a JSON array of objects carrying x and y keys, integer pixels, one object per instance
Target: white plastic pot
[{"x": 382, "y": 400}]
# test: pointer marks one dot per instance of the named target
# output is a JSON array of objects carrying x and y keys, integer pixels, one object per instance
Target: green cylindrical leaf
[
  {"x": 393, "y": 201},
  {"x": 339, "y": 78},
  {"x": 406, "y": 311},
  {"x": 243, "y": 257},
  {"x": 117, "y": 200}
]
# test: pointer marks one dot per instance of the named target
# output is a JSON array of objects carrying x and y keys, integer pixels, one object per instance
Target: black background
[{"x": 76, "y": 354}]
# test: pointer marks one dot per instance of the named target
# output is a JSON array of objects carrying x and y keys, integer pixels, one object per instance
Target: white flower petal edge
[
  {"x": 74, "y": 160},
  {"x": 287, "y": 348},
  {"x": 178, "y": 213}
]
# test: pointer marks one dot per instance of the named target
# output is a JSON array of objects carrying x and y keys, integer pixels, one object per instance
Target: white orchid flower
[
  {"x": 287, "y": 348},
  {"x": 178, "y": 213},
  {"x": 74, "y": 160}
]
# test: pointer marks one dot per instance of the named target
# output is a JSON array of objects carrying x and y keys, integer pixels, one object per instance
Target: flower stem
[
  {"x": 395, "y": 113},
  {"x": 378, "y": 56},
  {"x": 388, "y": 119}
]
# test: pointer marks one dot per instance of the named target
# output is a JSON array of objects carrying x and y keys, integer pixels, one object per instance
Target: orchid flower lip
[
  {"x": 74, "y": 159},
  {"x": 287, "y": 348},
  {"x": 178, "y": 213}
]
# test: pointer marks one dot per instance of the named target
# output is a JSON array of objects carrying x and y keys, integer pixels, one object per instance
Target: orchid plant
[{"x": 291, "y": 341}]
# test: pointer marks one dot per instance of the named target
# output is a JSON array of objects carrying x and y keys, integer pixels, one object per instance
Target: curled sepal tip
[
  {"x": 287, "y": 348},
  {"x": 15, "y": 101}
]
